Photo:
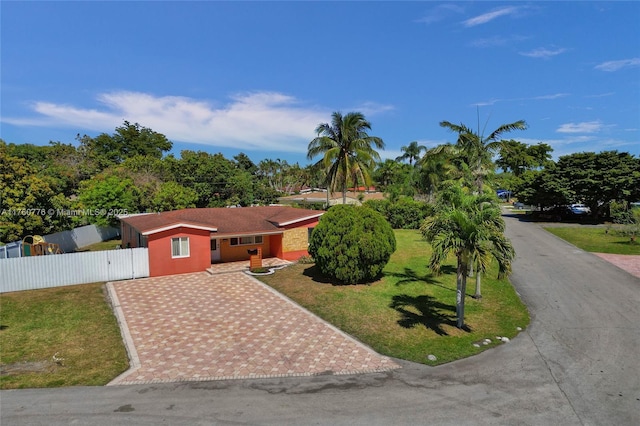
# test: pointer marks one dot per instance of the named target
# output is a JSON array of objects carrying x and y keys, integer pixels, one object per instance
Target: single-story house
[{"x": 190, "y": 240}]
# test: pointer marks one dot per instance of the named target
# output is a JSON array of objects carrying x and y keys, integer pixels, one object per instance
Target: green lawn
[
  {"x": 73, "y": 323},
  {"x": 597, "y": 240},
  {"x": 409, "y": 313},
  {"x": 104, "y": 245}
]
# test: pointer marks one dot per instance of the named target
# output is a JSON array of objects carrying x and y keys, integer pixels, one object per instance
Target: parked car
[
  {"x": 563, "y": 212},
  {"x": 579, "y": 209}
]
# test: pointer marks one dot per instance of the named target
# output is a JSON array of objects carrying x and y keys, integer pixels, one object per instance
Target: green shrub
[
  {"x": 405, "y": 213},
  {"x": 352, "y": 244},
  {"x": 381, "y": 206}
]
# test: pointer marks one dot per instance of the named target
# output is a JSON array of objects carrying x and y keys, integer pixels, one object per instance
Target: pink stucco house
[{"x": 190, "y": 240}]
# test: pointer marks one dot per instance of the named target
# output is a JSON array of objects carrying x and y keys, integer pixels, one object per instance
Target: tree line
[
  {"x": 132, "y": 170},
  {"x": 45, "y": 189},
  {"x": 448, "y": 191}
]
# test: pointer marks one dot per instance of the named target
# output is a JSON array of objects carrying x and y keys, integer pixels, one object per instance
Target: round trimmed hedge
[{"x": 352, "y": 244}]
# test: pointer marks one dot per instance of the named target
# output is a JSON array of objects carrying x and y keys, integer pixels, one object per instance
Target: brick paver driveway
[{"x": 195, "y": 327}]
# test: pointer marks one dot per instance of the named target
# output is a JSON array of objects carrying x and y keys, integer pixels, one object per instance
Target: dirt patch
[{"x": 25, "y": 367}]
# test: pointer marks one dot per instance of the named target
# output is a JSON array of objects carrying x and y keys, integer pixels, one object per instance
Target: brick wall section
[{"x": 295, "y": 239}]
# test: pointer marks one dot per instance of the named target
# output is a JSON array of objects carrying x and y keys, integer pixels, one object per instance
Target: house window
[
  {"x": 180, "y": 247},
  {"x": 243, "y": 241}
]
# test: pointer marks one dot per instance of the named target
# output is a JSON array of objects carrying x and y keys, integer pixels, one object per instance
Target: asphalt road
[{"x": 578, "y": 363}]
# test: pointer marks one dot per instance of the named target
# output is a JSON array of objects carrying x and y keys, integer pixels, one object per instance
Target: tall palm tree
[
  {"x": 411, "y": 152},
  {"x": 477, "y": 150},
  {"x": 472, "y": 228},
  {"x": 348, "y": 154}
]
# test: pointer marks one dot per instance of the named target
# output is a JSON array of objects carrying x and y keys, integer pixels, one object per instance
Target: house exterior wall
[
  {"x": 161, "y": 261},
  {"x": 275, "y": 242},
  {"x": 295, "y": 240},
  {"x": 131, "y": 238},
  {"x": 127, "y": 233},
  {"x": 229, "y": 253}
]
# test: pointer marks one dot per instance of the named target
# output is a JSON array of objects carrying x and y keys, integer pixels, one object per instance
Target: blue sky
[{"x": 258, "y": 77}]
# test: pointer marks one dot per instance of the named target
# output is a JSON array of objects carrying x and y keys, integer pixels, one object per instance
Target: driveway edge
[
  {"x": 392, "y": 365},
  {"x": 134, "y": 360}
]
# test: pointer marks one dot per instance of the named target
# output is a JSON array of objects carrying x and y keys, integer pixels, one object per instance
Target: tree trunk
[
  {"x": 478, "y": 295},
  {"x": 461, "y": 283}
]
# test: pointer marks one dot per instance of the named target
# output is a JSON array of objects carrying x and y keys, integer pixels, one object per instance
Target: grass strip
[
  {"x": 597, "y": 240},
  {"x": 61, "y": 336}
]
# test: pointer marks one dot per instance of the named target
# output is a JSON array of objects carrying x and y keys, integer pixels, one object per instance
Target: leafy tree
[
  {"x": 403, "y": 213},
  {"x": 352, "y": 244},
  {"x": 348, "y": 154},
  {"x": 242, "y": 189},
  {"x": 245, "y": 163},
  {"x": 470, "y": 227},
  {"x": 150, "y": 168},
  {"x": 129, "y": 140},
  {"x": 597, "y": 179},
  {"x": 173, "y": 196},
  {"x": 412, "y": 152},
  {"x": 543, "y": 189},
  {"x": 282, "y": 176},
  {"x": 25, "y": 199},
  {"x": 593, "y": 179},
  {"x": 477, "y": 150},
  {"x": 208, "y": 175},
  {"x": 517, "y": 157},
  {"x": 407, "y": 213},
  {"x": 103, "y": 194},
  {"x": 60, "y": 164}
]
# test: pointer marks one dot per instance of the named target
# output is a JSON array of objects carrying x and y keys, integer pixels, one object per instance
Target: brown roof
[{"x": 240, "y": 220}]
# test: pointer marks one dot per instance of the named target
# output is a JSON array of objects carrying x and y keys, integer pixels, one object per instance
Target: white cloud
[
  {"x": 616, "y": 65},
  {"x": 584, "y": 127},
  {"x": 439, "y": 13},
  {"x": 535, "y": 98},
  {"x": 600, "y": 95},
  {"x": 250, "y": 121},
  {"x": 371, "y": 108},
  {"x": 543, "y": 53},
  {"x": 552, "y": 96},
  {"x": 490, "y": 16}
]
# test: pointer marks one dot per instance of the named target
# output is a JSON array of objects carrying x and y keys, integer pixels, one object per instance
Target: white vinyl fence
[{"x": 30, "y": 273}]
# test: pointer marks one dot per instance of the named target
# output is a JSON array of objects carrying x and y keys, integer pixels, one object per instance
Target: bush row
[{"x": 406, "y": 213}]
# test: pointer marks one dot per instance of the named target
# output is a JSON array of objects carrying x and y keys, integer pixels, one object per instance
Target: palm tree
[
  {"x": 411, "y": 152},
  {"x": 348, "y": 155},
  {"x": 477, "y": 150},
  {"x": 472, "y": 228},
  {"x": 435, "y": 167},
  {"x": 386, "y": 173}
]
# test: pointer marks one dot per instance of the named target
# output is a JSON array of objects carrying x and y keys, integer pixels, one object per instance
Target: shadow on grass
[
  {"x": 432, "y": 314},
  {"x": 317, "y": 276},
  {"x": 410, "y": 276}
]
